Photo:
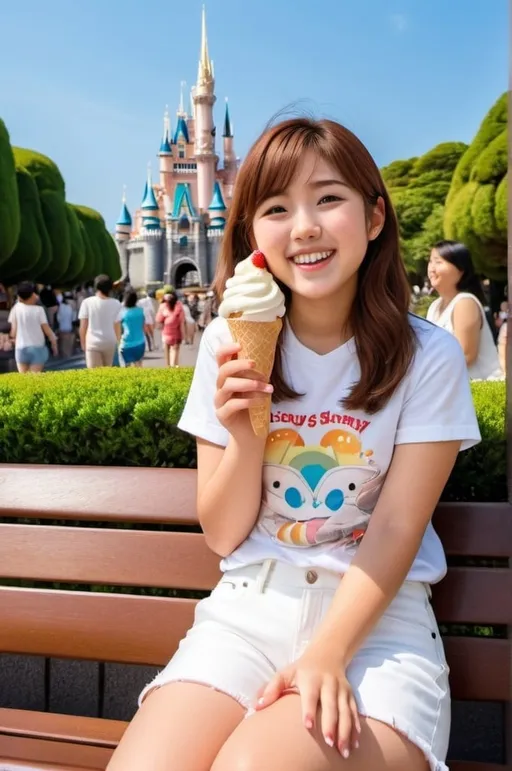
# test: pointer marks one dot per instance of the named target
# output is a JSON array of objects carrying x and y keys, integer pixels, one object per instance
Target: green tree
[
  {"x": 10, "y": 220},
  {"x": 33, "y": 249},
  {"x": 418, "y": 187},
  {"x": 77, "y": 257},
  {"x": 106, "y": 257},
  {"x": 51, "y": 188},
  {"x": 476, "y": 206}
]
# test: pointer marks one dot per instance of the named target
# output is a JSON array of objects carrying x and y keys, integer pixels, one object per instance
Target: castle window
[{"x": 181, "y": 151}]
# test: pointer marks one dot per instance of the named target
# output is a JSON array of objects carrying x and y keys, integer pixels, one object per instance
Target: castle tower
[
  {"x": 230, "y": 160},
  {"x": 123, "y": 230},
  {"x": 165, "y": 154},
  {"x": 204, "y": 99},
  {"x": 151, "y": 234}
]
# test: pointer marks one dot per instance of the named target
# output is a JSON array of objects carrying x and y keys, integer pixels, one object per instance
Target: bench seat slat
[
  {"x": 68, "y": 728},
  {"x": 474, "y": 596},
  {"x": 107, "y": 556},
  {"x": 58, "y": 756},
  {"x": 147, "y": 630}
]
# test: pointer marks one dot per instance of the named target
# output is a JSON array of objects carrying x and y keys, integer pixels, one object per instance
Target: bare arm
[
  {"x": 117, "y": 330},
  {"x": 48, "y": 331},
  {"x": 389, "y": 546},
  {"x": 84, "y": 325},
  {"x": 230, "y": 478},
  {"x": 229, "y": 491},
  {"x": 467, "y": 323}
]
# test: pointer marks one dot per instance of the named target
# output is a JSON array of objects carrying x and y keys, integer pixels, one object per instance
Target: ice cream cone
[{"x": 258, "y": 341}]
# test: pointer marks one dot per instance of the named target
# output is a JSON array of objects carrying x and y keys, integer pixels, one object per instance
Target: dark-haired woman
[
  {"x": 460, "y": 308},
  {"x": 171, "y": 319},
  {"x": 133, "y": 341}
]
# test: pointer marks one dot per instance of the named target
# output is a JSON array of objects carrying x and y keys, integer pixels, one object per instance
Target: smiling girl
[{"x": 318, "y": 650}]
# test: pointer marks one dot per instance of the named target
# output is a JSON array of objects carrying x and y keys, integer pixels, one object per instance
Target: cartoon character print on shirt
[{"x": 321, "y": 494}]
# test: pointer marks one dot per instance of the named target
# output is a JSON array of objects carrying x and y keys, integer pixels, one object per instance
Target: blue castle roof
[
  {"x": 181, "y": 131},
  {"x": 151, "y": 223},
  {"x": 217, "y": 203},
  {"x": 227, "y": 123},
  {"x": 149, "y": 200},
  {"x": 125, "y": 216},
  {"x": 165, "y": 146},
  {"x": 183, "y": 199}
]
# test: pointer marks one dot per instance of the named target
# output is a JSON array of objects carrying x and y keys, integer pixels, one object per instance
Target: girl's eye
[
  {"x": 330, "y": 199},
  {"x": 274, "y": 210}
]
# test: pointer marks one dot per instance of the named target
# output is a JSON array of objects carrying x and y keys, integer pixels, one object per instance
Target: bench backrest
[{"x": 108, "y": 625}]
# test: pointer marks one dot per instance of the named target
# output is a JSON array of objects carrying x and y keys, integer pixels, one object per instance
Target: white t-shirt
[
  {"x": 146, "y": 303},
  {"x": 324, "y": 466},
  {"x": 487, "y": 364},
  {"x": 28, "y": 320},
  {"x": 102, "y": 314}
]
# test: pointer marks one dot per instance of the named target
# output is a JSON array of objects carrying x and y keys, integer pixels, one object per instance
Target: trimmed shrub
[
  {"x": 10, "y": 220},
  {"x": 54, "y": 212},
  {"x": 45, "y": 172},
  {"x": 106, "y": 258},
  {"x": 475, "y": 211},
  {"x": 33, "y": 250},
  {"x": 77, "y": 250},
  {"x": 128, "y": 417}
]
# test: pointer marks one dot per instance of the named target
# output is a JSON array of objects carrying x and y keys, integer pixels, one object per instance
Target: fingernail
[
  {"x": 329, "y": 740},
  {"x": 308, "y": 722},
  {"x": 356, "y": 745},
  {"x": 345, "y": 754},
  {"x": 268, "y": 389},
  {"x": 261, "y": 700}
]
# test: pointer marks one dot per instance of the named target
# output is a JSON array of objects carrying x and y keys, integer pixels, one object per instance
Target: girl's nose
[{"x": 305, "y": 228}]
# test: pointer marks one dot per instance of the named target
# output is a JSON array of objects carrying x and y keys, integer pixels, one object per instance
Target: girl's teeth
[{"x": 301, "y": 259}]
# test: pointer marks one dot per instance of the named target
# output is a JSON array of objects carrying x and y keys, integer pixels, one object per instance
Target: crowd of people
[{"x": 112, "y": 324}]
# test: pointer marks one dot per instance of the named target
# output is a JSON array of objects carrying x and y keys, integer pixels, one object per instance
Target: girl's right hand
[{"x": 238, "y": 388}]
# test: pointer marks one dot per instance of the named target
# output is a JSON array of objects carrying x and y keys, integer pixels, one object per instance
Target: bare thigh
[
  {"x": 275, "y": 739},
  {"x": 179, "y": 727}
]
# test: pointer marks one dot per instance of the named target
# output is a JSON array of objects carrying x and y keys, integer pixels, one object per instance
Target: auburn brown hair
[{"x": 384, "y": 339}]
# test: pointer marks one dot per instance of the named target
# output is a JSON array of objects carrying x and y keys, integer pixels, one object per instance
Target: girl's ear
[{"x": 377, "y": 219}]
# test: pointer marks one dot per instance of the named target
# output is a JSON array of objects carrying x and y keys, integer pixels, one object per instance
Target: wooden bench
[{"x": 112, "y": 627}]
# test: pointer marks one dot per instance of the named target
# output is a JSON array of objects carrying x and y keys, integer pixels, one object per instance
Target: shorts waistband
[{"x": 275, "y": 573}]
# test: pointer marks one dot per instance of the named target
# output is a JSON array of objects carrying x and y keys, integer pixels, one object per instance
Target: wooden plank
[
  {"x": 147, "y": 630},
  {"x": 105, "y": 556},
  {"x": 479, "y": 668},
  {"x": 474, "y": 596},
  {"x": 98, "y": 493},
  {"x": 54, "y": 754},
  {"x": 67, "y": 728},
  {"x": 475, "y": 529},
  {"x": 97, "y": 627}
]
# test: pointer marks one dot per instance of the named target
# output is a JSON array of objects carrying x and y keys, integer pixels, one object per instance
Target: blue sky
[{"x": 87, "y": 83}]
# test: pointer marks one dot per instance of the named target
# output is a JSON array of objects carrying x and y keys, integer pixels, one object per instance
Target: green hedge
[
  {"x": 128, "y": 417},
  {"x": 9, "y": 205}
]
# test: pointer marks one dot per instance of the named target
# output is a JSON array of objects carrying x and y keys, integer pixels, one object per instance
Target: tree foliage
[
  {"x": 10, "y": 221},
  {"x": 476, "y": 206},
  {"x": 418, "y": 188}
]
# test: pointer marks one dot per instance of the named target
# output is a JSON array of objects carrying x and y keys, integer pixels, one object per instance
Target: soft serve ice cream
[
  {"x": 252, "y": 293},
  {"x": 254, "y": 305}
]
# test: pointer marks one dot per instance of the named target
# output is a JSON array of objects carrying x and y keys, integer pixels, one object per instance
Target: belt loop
[{"x": 263, "y": 575}]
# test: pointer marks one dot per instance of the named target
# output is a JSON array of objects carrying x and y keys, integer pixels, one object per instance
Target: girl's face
[
  {"x": 316, "y": 233},
  {"x": 443, "y": 276}
]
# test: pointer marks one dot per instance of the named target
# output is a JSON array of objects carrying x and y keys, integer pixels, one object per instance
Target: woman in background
[
  {"x": 171, "y": 319},
  {"x": 133, "y": 341},
  {"x": 460, "y": 308}
]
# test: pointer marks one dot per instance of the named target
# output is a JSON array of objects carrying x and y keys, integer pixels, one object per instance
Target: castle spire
[
  {"x": 205, "y": 72},
  {"x": 165, "y": 146},
  {"x": 182, "y": 113},
  {"x": 228, "y": 131}
]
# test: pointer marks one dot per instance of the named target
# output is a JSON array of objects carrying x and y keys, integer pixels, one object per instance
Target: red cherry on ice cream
[{"x": 258, "y": 259}]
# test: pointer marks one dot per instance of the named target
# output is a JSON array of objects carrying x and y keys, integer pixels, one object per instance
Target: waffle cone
[{"x": 258, "y": 341}]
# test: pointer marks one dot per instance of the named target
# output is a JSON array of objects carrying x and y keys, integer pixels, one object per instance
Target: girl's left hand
[{"x": 323, "y": 686}]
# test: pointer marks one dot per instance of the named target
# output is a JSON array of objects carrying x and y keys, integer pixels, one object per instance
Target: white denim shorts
[{"x": 260, "y": 618}]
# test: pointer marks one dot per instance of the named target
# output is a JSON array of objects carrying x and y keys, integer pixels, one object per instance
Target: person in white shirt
[
  {"x": 66, "y": 316},
  {"x": 147, "y": 303},
  {"x": 460, "y": 308},
  {"x": 320, "y": 630},
  {"x": 100, "y": 325},
  {"x": 29, "y": 328}
]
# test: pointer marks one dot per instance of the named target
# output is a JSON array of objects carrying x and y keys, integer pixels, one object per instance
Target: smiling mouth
[{"x": 313, "y": 258}]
